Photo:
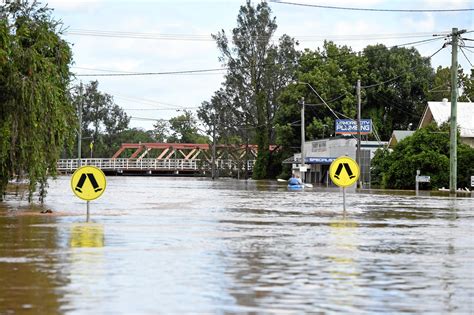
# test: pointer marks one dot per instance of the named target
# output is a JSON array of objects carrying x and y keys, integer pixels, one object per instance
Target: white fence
[{"x": 65, "y": 165}]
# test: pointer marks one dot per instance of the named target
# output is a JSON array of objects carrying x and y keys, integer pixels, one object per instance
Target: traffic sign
[
  {"x": 344, "y": 171},
  {"x": 88, "y": 182}
]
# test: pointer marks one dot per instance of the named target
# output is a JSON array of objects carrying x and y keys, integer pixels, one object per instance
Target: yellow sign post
[
  {"x": 344, "y": 172},
  {"x": 88, "y": 183}
]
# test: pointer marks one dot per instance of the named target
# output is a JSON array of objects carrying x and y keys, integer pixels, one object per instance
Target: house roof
[
  {"x": 399, "y": 135},
  {"x": 440, "y": 112}
]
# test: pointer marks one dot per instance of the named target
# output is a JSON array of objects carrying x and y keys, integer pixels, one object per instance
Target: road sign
[
  {"x": 344, "y": 171},
  {"x": 422, "y": 179},
  {"x": 88, "y": 182},
  {"x": 472, "y": 181}
]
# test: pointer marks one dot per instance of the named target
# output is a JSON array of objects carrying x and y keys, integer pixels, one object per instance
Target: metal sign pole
[
  {"x": 344, "y": 198},
  {"x": 416, "y": 182},
  {"x": 87, "y": 218}
]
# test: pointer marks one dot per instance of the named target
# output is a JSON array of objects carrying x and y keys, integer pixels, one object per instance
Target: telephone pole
[
  {"x": 453, "y": 160},
  {"x": 302, "y": 139},
  {"x": 358, "y": 133},
  {"x": 79, "y": 131}
]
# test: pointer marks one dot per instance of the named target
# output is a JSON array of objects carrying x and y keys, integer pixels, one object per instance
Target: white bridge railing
[{"x": 65, "y": 165}]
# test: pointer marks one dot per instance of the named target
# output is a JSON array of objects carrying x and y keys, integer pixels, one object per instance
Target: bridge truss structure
[{"x": 172, "y": 158}]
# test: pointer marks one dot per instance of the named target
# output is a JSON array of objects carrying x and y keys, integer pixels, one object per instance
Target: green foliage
[
  {"x": 441, "y": 86},
  {"x": 426, "y": 150},
  {"x": 332, "y": 71},
  {"x": 103, "y": 121},
  {"x": 401, "y": 79},
  {"x": 465, "y": 165},
  {"x": 184, "y": 129},
  {"x": 258, "y": 71},
  {"x": 37, "y": 119}
]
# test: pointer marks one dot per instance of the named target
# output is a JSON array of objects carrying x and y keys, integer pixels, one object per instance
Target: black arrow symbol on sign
[
  {"x": 82, "y": 180},
  {"x": 346, "y": 167}
]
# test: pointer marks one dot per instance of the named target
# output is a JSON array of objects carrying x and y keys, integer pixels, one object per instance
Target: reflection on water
[
  {"x": 87, "y": 235},
  {"x": 170, "y": 245}
]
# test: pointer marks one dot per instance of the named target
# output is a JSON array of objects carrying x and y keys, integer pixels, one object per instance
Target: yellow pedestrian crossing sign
[
  {"x": 88, "y": 182},
  {"x": 344, "y": 171}
]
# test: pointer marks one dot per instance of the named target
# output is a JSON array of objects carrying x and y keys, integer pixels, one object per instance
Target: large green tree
[
  {"x": 258, "y": 70},
  {"x": 37, "y": 119},
  {"x": 332, "y": 72},
  {"x": 397, "y": 80}
]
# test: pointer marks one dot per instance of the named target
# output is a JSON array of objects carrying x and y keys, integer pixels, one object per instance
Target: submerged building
[{"x": 319, "y": 154}]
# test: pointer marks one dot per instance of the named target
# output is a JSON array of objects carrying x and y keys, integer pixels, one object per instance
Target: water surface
[{"x": 185, "y": 245}]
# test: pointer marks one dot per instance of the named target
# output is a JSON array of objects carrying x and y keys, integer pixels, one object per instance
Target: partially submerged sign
[
  {"x": 349, "y": 126},
  {"x": 88, "y": 182},
  {"x": 344, "y": 171}
]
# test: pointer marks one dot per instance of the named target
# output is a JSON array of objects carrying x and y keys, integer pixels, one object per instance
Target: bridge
[{"x": 171, "y": 158}]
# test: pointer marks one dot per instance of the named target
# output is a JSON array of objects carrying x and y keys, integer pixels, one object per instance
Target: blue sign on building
[
  {"x": 319, "y": 160},
  {"x": 349, "y": 126}
]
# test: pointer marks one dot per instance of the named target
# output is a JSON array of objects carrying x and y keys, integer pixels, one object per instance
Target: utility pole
[
  {"x": 358, "y": 157},
  {"x": 453, "y": 159},
  {"x": 302, "y": 139},
  {"x": 213, "y": 165},
  {"x": 79, "y": 133}
]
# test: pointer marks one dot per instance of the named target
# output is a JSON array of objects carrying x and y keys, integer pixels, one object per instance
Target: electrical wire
[
  {"x": 215, "y": 70},
  {"x": 373, "y": 10},
  {"x": 462, "y": 50},
  {"x": 148, "y": 73},
  {"x": 202, "y": 37}
]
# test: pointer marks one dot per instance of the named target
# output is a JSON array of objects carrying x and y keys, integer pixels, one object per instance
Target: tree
[
  {"x": 184, "y": 129},
  {"x": 398, "y": 81},
  {"x": 102, "y": 119},
  {"x": 426, "y": 150},
  {"x": 37, "y": 120},
  {"x": 160, "y": 131},
  {"x": 332, "y": 71},
  {"x": 441, "y": 86},
  {"x": 257, "y": 72}
]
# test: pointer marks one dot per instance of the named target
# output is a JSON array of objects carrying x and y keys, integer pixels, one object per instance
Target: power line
[
  {"x": 373, "y": 10},
  {"x": 220, "y": 70},
  {"x": 148, "y": 73},
  {"x": 215, "y": 69},
  {"x": 462, "y": 50},
  {"x": 205, "y": 37}
]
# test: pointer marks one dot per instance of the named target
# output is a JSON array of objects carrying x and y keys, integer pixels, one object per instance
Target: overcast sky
[{"x": 174, "y": 35}]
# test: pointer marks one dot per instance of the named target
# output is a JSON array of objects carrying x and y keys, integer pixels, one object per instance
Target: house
[{"x": 440, "y": 112}]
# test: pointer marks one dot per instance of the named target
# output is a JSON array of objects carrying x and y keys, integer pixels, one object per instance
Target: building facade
[{"x": 319, "y": 154}]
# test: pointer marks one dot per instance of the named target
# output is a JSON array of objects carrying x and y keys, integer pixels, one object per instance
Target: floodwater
[{"x": 192, "y": 246}]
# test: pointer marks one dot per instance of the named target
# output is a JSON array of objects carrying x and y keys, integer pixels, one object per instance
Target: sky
[{"x": 126, "y": 36}]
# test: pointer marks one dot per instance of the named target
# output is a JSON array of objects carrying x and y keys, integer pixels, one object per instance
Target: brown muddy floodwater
[{"x": 191, "y": 246}]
